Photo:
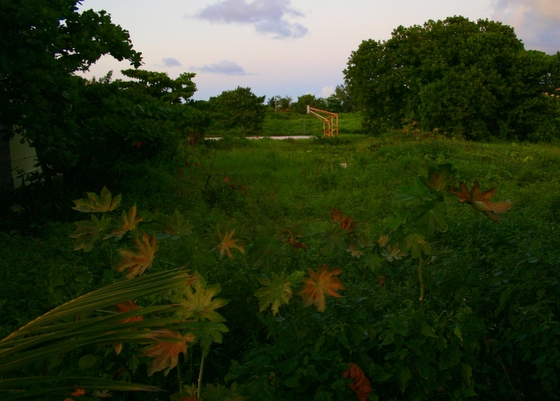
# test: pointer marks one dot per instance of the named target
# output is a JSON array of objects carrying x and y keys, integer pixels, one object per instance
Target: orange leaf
[
  {"x": 393, "y": 253},
  {"x": 346, "y": 223},
  {"x": 360, "y": 383},
  {"x": 138, "y": 260},
  {"x": 166, "y": 352},
  {"x": 383, "y": 239},
  {"x": 318, "y": 285},
  {"x": 129, "y": 223},
  {"x": 480, "y": 200},
  {"x": 292, "y": 240},
  {"x": 227, "y": 242},
  {"x": 354, "y": 251},
  {"x": 78, "y": 392},
  {"x": 126, "y": 307}
]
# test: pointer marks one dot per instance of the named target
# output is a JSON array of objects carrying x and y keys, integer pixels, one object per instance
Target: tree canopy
[
  {"x": 43, "y": 44},
  {"x": 82, "y": 128},
  {"x": 239, "y": 108},
  {"x": 456, "y": 76}
]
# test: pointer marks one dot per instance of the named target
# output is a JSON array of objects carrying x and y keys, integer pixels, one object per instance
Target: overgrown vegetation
[
  {"x": 405, "y": 264},
  {"x": 486, "y": 325}
]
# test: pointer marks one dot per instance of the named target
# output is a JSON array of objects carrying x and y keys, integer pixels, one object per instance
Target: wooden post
[{"x": 330, "y": 121}]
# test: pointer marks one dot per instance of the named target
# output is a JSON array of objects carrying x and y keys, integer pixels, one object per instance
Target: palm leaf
[{"x": 84, "y": 322}]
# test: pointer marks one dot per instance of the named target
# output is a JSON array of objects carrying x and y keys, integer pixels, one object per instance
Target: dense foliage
[
  {"x": 407, "y": 266},
  {"x": 129, "y": 122},
  {"x": 239, "y": 108},
  {"x": 43, "y": 43},
  {"x": 355, "y": 228},
  {"x": 472, "y": 79},
  {"x": 83, "y": 130}
]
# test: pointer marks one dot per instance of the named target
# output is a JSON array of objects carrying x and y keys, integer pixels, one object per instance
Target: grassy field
[
  {"x": 280, "y": 124},
  {"x": 487, "y": 329}
]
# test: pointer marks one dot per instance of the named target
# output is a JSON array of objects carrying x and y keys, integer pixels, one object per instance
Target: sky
[{"x": 290, "y": 48}]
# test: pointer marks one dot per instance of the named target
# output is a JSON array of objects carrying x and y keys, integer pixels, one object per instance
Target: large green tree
[
  {"x": 461, "y": 77},
  {"x": 127, "y": 122},
  {"x": 43, "y": 43},
  {"x": 239, "y": 108},
  {"x": 300, "y": 105}
]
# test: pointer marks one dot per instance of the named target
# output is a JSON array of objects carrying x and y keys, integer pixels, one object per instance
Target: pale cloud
[
  {"x": 223, "y": 67},
  {"x": 536, "y": 22},
  {"x": 171, "y": 62},
  {"x": 267, "y": 16},
  {"x": 327, "y": 91}
]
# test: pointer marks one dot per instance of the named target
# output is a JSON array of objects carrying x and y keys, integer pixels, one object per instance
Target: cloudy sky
[{"x": 291, "y": 47}]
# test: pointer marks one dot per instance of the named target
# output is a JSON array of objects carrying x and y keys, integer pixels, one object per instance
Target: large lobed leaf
[
  {"x": 227, "y": 242},
  {"x": 480, "y": 200},
  {"x": 276, "y": 292},
  {"x": 166, "y": 351},
  {"x": 87, "y": 232},
  {"x": 98, "y": 204},
  {"x": 320, "y": 284},
  {"x": 198, "y": 304},
  {"x": 136, "y": 261}
]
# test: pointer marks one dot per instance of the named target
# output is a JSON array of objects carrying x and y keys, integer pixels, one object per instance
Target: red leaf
[
  {"x": 78, "y": 392},
  {"x": 480, "y": 200},
  {"x": 382, "y": 281},
  {"x": 360, "y": 383},
  {"x": 166, "y": 351}
]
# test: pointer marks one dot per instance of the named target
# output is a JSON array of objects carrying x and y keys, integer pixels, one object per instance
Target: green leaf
[
  {"x": 389, "y": 337},
  {"x": 87, "y": 361},
  {"x": 404, "y": 378},
  {"x": 208, "y": 333},
  {"x": 291, "y": 381},
  {"x": 295, "y": 277},
  {"x": 266, "y": 251},
  {"x": 458, "y": 333},
  {"x": 341, "y": 336},
  {"x": 449, "y": 357},
  {"x": 195, "y": 256},
  {"x": 395, "y": 221},
  {"x": 504, "y": 299},
  {"x": 439, "y": 177},
  {"x": 416, "y": 244},
  {"x": 173, "y": 226},
  {"x": 466, "y": 371},
  {"x": 416, "y": 190},
  {"x": 428, "y": 331},
  {"x": 276, "y": 292},
  {"x": 372, "y": 261},
  {"x": 97, "y": 204},
  {"x": 334, "y": 236},
  {"x": 432, "y": 217},
  {"x": 87, "y": 232},
  {"x": 197, "y": 303}
]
